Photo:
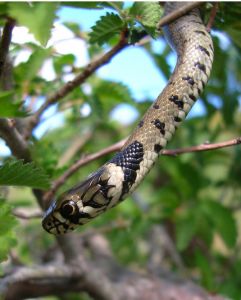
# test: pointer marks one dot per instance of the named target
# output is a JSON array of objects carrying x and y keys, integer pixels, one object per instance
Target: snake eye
[{"x": 68, "y": 209}]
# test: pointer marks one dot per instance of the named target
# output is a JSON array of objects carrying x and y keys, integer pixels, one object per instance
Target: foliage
[
  {"x": 17, "y": 173},
  {"x": 194, "y": 198},
  {"x": 105, "y": 28},
  {"x": 8, "y": 108},
  {"x": 7, "y": 235}
]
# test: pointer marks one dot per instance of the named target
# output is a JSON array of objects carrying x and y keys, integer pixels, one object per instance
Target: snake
[{"x": 121, "y": 175}]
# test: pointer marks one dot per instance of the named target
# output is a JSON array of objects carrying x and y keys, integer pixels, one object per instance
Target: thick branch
[
  {"x": 79, "y": 79},
  {"x": 28, "y": 282},
  {"x": 5, "y": 43}
]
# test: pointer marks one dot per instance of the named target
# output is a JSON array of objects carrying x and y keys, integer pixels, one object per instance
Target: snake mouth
[{"x": 49, "y": 222}]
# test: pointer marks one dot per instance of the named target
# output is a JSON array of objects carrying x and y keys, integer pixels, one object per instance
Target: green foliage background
[{"x": 195, "y": 197}]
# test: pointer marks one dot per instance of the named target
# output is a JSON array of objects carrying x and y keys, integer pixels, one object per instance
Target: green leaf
[
  {"x": 61, "y": 61},
  {"x": 148, "y": 14},
  {"x": 105, "y": 28},
  {"x": 222, "y": 219},
  {"x": 116, "y": 5},
  {"x": 8, "y": 109},
  {"x": 119, "y": 92},
  {"x": 85, "y": 5},
  {"x": 29, "y": 69},
  {"x": 205, "y": 268},
  {"x": 38, "y": 17},
  {"x": 7, "y": 235},
  {"x": 17, "y": 173},
  {"x": 185, "y": 229}
]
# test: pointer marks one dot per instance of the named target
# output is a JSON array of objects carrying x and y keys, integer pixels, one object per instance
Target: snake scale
[{"x": 120, "y": 176}]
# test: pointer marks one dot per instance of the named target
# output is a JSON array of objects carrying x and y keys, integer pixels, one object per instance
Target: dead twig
[
  {"x": 26, "y": 214},
  {"x": 212, "y": 16},
  {"x": 117, "y": 146}
]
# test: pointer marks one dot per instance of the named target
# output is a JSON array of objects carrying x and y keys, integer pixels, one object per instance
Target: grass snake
[{"x": 120, "y": 176}]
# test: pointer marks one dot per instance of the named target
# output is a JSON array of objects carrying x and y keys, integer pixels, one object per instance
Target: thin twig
[
  {"x": 80, "y": 163},
  {"x": 178, "y": 13},
  {"x": 79, "y": 79},
  {"x": 202, "y": 147},
  {"x": 5, "y": 43},
  {"x": 212, "y": 16},
  {"x": 26, "y": 214},
  {"x": 117, "y": 146}
]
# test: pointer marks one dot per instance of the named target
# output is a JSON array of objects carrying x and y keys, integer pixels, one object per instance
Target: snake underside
[{"x": 115, "y": 180}]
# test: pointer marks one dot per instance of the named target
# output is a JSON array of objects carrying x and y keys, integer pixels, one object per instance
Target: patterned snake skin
[{"x": 114, "y": 181}]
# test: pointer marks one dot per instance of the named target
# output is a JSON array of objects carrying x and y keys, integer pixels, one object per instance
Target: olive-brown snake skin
[{"x": 111, "y": 184}]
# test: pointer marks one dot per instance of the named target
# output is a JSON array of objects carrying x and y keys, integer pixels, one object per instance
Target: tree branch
[
  {"x": 117, "y": 146},
  {"x": 5, "y": 43},
  {"x": 25, "y": 214},
  {"x": 203, "y": 147},
  {"x": 37, "y": 281},
  {"x": 79, "y": 79},
  {"x": 178, "y": 13},
  {"x": 14, "y": 140},
  {"x": 212, "y": 16}
]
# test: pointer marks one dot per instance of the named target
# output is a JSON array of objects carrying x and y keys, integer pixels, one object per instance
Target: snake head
[
  {"x": 78, "y": 205},
  {"x": 64, "y": 214}
]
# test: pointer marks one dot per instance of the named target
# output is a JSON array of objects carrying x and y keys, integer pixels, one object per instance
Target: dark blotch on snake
[
  {"x": 203, "y": 50},
  {"x": 159, "y": 125},
  {"x": 174, "y": 99},
  {"x": 157, "y": 148},
  {"x": 177, "y": 119},
  {"x": 201, "y": 67},
  {"x": 200, "y": 32},
  {"x": 129, "y": 160},
  {"x": 141, "y": 123},
  {"x": 156, "y": 106},
  {"x": 192, "y": 97},
  {"x": 189, "y": 80}
]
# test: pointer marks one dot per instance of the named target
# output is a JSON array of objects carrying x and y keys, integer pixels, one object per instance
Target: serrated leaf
[
  {"x": 7, "y": 235},
  {"x": 105, "y": 28},
  {"x": 38, "y": 17},
  {"x": 223, "y": 221},
  {"x": 8, "y": 109},
  {"x": 17, "y": 173},
  {"x": 147, "y": 14}
]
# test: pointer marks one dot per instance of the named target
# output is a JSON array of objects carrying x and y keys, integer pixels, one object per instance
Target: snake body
[{"x": 119, "y": 177}]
